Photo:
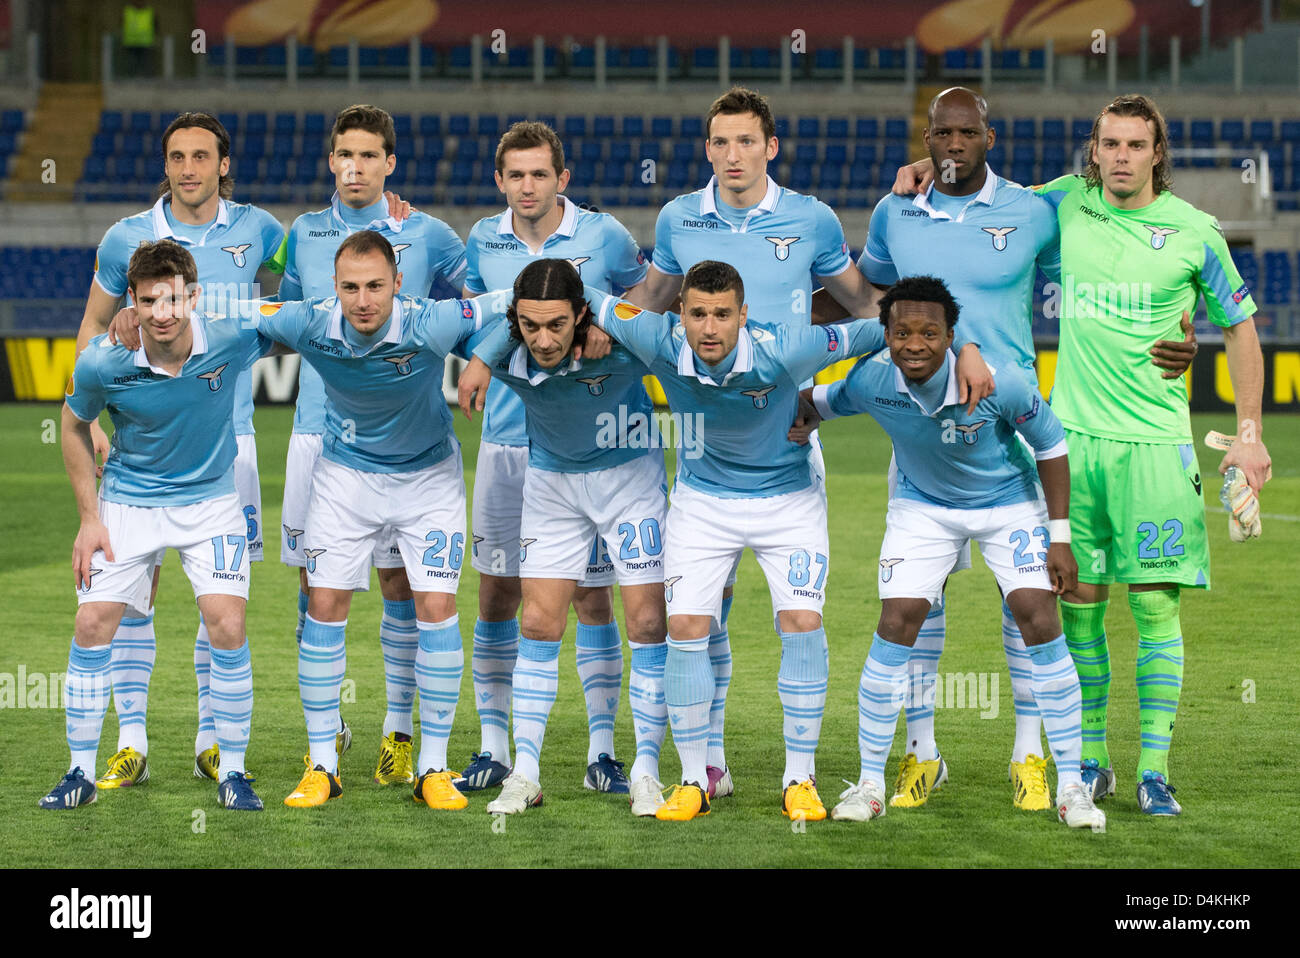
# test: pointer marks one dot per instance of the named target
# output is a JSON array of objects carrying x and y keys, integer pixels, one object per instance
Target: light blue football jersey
[
  {"x": 985, "y": 247},
  {"x": 427, "y": 250},
  {"x": 945, "y": 455},
  {"x": 784, "y": 242},
  {"x": 583, "y": 416},
  {"x": 228, "y": 252},
  {"x": 385, "y": 411},
  {"x": 173, "y": 436},
  {"x": 743, "y": 450},
  {"x": 599, "y": 247}
]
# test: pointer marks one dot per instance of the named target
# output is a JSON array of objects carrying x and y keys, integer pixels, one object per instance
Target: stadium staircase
[{"x": 62, "y": 129}]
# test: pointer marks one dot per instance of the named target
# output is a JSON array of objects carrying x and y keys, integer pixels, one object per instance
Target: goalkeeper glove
[{"x": 1241, "y": 504}]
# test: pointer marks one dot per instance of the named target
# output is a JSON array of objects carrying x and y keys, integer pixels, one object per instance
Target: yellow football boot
[
  {"x": 207, "y": 762},
  {"x": 316, "y": 788},
  {"x": 1030, "y": 780},
  {"x": 800, "y": 802},
  {"x": 394, "y": 766},
  {"x": 126, "y": 768},
  {"x": 683, "y": 803},
  {"x": 436, "y": 790},
  {"x": 916, "y": 780}
]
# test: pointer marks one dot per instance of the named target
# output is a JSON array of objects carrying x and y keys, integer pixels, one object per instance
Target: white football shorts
[
  {"x": 923, "y": 540},
  {"x": 352, "y": 512},
  {"x": 706, "y": 535},
  {"x": 498, "y": 511},
  {"x": 249, "y": 490},
  {"x": 963, "y": 557},
  {"x": 209, "y": 535},
  {"x": 563, "y": 513}
]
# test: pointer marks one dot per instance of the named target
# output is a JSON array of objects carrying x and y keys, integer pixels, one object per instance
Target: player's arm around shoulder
[
  {"x": 1055, "y": 191},
  {"x": 82, "y": 404}
]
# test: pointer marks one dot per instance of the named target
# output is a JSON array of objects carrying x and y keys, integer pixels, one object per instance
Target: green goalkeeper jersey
[{"x": 1126, "y": 278}]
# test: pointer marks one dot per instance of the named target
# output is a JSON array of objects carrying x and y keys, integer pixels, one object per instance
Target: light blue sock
[
  {"x": 923, "y": 673},
  {"x": 645, "y": 692},
  {"x": 801, "y": 685},
  {"x": 496, "y": 644},
  {"x": 536, "y": 680},
  {"x": 207, "y": 733},
  {"x": 232, "y": 705},
  {"x": 134, "y": 649},
  {"x": 600, "y": 670},
  {"x": 86, "y": 692},
  {"x": 720, "y": 662},
  {"x": 688, "y": 690},
  {"x": 322, "y": 661},
  {"x": 1060, "y": 702},
  {"x": 880, "y": 696},
  {"x": 399, "y": 639},
  {"x": 1029, "y": 725},
  {"x": 439, "y": 666},
  {"x": 302, "y": 614}
]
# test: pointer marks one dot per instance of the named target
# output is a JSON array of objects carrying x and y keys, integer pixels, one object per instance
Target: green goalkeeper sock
[
  {"x": 1085, "y": 634},
  {"x": 1159, "y": 673}
]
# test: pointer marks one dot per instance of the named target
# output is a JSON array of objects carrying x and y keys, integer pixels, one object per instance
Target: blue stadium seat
[
  {"x": 103, "y": 144},
  {"x": 11, "y": 121},
  {"x": 1022, "y": 153},
  {"x": 691, "y": 128},
  {"x": 110, "y": 121},
  {"x": 866, "y": 128},
  {"x": 1037, "y": 59},
  {"x": 782, "y": 127},
  {"x": 634, "y": 126},
  {"x": 678, "y": 176},
  {"x": 277, "y": 169},
  {"x": 830, "y": 177},
  {"x": 1053, "y": 161},
  {"x": 462, "y": 171},
  {"x": 1232, "y": 132},
  {"x": 704, "y": 60},
  {"x": 590, "y": 150},
  {"x": 467, "y": 149},
  {"x": 801, "y": 178},
  {"x": 255, "y": 124},
  {"x": 837, "y": 128},
  {"x": 141, "y": 122},
  {"x": 864, "y": 154},
  {"x": 1202, "y": 133},
  {"x": 133, "y": 144},
  {"x": 489, "y": 125},
  {"x": 602, "y": 126},
  {"x": 998, "y": 125},
  {"x": 684, "y": 151},
  {"x": 402, "y": 125},
  {"x": 1262, "y": 131},
  {"x": 1024, "y": 128},
  {"x": 426, "y": 170},
  {"x": 805, "y": 154},
  {"x": 584, "y": 173},
  {"x": 1022, "y": 173},
  {"x": 433, "y": 146},
  {"x": 458, "y": 124},
  {"x": 1080, "y": 129},
  {"x": 808, "y": 127},
  {"x": 1177, "y": 131},
  {"x": 1289, "y": 131},
  {"x": 827, "y": 61},
  {"x": 894, "y": 157},
  {"x": 404, "y": 145},
  {"x": 997, "y": 156},
  {"x": 1053, "y": 129},
  {"x": 615, "y": 174},
  {"x": 430, "y": 125},
  {"x": 305, "y": 170},
  {"x": 574, "y": 127},
  {"x": 313, "y": 125},
  {"x": 661, "y": 127},
  {"x": 94, "y": 170},
  {"x": 230, "y": 121},
  {"x": 896, "y": 128},
  {"x": 620, "y": 151},
  {"x": 860, "y": 177},
  {"x": 649, "y": 150},
  {"x": 286, "y": 124},
  {"x": 836, "y": 154}
]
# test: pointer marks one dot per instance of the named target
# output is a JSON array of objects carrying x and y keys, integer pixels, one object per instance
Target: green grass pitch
[{"x": 1232, "y": 758}]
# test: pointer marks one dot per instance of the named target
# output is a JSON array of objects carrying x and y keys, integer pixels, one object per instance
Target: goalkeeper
[{"x": 1134, "y": 261}]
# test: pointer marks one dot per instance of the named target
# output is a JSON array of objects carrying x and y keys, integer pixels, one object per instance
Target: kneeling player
[
  {"x": 962, "y": 476},
  {"x": 583, "y": 480},
  {"x": 168, "y": 483}
]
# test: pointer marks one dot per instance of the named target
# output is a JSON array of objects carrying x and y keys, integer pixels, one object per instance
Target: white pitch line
[{"x": 1263, "y": 515}]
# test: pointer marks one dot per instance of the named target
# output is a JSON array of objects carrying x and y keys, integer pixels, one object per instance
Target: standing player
[
  {"x": 585, "y": 479},
  {"x": 168, "y": 483},
  {"x": 389, "y": 466},
  {"x": 538, "y": 222},
  {"x": 962, "y": 475},
  {"x": 229, "y": 241},
  {"x": 750, "y": 487},
  {"x": 1134, "y": 261},
  {"x": 780, "y": 242},
  {"x": 427, "y": 250}
]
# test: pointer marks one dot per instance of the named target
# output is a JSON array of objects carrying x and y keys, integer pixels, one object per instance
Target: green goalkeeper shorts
[{"x": 1136, "y": 512}]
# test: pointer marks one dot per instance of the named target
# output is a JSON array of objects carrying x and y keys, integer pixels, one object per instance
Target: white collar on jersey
[
  {"x": 949, "y": 394},
  {"x": 984, "y": 196},
  {"x": 568, "y": 222},
  {"x": 519, "y": 367},
  {"x": 687, "y": 366},
  {"x": 709, "y": 205},
  {"x": 198, "y": 323},
  {"x": 394, "y": 334},
  {"x": 163, "y": 230},
  {"x": 336, "y": 207}
]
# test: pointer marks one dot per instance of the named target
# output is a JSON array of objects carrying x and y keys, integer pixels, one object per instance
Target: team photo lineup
[{"x": 569, "y": 333}]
